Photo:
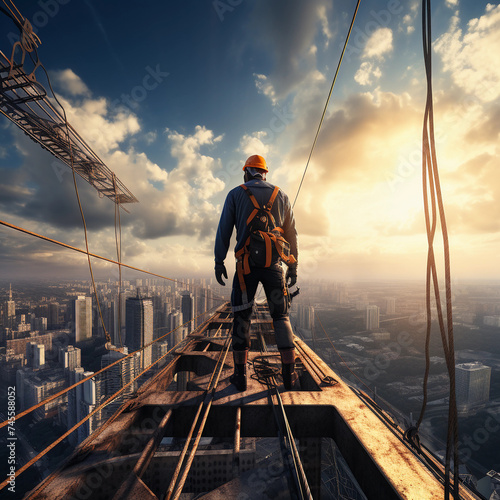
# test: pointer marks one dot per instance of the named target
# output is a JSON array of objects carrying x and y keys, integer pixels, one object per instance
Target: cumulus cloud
[
  {"x": 408, "y": 22},
  {"x": 367, "y": 73},
  {"x": 253, "y": 143},
  {"x": 69, "y": 82},
  {"x": 379, "y": 44},
  {"x": 470, "y": 56}
]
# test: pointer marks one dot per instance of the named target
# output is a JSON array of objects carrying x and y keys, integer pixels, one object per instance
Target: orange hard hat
[{"x": 256, "y": 161}]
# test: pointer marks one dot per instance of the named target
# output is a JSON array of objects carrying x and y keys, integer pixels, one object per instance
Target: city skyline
[{"x": 389, "y": 361}]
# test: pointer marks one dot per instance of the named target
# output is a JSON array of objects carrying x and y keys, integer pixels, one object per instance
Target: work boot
[
  {"x": 239, "y": 377},
  {"x": 288, "y": 372}
]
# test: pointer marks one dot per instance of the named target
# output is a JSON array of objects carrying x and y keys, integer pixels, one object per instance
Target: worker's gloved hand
[
  {"x": 220, "y": 270},
  {"x": 291, "y": 275}
]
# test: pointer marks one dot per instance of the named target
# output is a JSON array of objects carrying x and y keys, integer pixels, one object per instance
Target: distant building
[
  {"x": 70, "y": 357},
  {"x": 35, "y": 355},
  {"x": 82, "y": 316},
  {"x": 40, "y": 324},
  {"x": 174, "y": 326},
  {"x": 33, "y": 386},
  {"x": 187, "y": 308},
  {"x": 9, "y": 312},
  {"x": 118, "y": 376},
  {"x": 81, "y": 401},
  {"x": 160, "y": 348},
  {"x": 139, "y": 327},
  {"x": 53, "y": 315},
  {"x": 372, "y": 317},
  {"x": 18, "y": 346},
  {"x": 305, "y": 316},
  {"x": 492, "y": 321},
  {"x": 472, "y": 385},
  {"x": 390, "y": 305},
  {"x": 341, "y": 294},
  {"x": 381, "y": 335}
]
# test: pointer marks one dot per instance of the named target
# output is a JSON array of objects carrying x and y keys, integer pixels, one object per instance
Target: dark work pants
[{"x": 273, "y": 281}]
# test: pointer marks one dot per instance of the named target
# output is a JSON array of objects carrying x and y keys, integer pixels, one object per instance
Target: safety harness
[{"x": 265, "y": 245}]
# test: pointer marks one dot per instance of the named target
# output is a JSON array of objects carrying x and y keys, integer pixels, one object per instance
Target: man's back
[{"x": 237, "y": 209}]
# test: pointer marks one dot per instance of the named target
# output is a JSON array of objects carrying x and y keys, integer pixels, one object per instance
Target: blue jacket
[{"x": 238, "y": 207}]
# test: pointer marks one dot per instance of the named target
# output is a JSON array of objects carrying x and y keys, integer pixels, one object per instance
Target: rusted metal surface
[{"x": 383, "y": 465}]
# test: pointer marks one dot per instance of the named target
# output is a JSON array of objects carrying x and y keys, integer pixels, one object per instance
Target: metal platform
[{"x": 134, "y": 454}]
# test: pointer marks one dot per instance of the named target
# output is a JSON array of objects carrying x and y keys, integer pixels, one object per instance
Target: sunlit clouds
[{"x": 359, "y": 211}]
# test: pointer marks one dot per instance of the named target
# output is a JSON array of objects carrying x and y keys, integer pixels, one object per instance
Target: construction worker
[{"x": 251, "y": 203}]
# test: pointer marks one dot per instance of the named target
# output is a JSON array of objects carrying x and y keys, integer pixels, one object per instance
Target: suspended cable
[
  {"x": 96, "y": 256},
  {"x": 432, "y": 188},
  {"x": 118, "y": 242},
  {"x": 327, "y": 101}
]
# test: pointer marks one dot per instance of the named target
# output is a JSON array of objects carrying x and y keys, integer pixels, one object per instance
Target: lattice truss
[{"x": 25, "y": 102}]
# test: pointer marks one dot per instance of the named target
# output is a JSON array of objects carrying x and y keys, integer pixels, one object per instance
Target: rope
[
  {"x": 118, "y": 242},
  {"x": 431, "y": 186},
  {"x": 327, "y": 101},
  {"x": 111, "y": 261}
]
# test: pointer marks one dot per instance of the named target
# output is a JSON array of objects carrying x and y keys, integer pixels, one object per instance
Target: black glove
[
  {"x": 291, "y": 276},
  {"x": 220, "y": 270}
]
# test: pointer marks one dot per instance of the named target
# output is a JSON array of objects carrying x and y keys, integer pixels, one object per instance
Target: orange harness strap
[
  {"x": 273, "y": 197},
  {"x": 269, "y": 249},
  {"x": 242, "y": 255}
]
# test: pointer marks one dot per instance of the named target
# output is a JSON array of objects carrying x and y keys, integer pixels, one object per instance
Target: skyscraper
[
  {"x": 174, "y": 326},
  {"x": 472, "y": 385},
  {"x": 139, "y": 327},
  {"x": 82, "y": 315},
  {"x": 9, "y": 311},
  {"x": 187, "y": 308},
  {"x": 372, "y": 317},
  {"x": 390, "y": 305},
  {"x": 70, "y": 357},
  {"x": 81, "y": 401},
  {"x": 118, "y": 376},
  {"x": 53, "y": 316},
  {"x": 35, "y": 355}
]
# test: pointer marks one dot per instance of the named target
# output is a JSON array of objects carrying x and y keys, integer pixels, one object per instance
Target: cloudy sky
[{"x": 173, "y": 96}]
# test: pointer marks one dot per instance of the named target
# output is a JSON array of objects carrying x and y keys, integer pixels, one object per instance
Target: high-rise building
[
  {"x": 139, "y": 327},
  {"x": 81, "y": 401},
  {"x": 390, "y": 305},
  {"x": 119, "y": 319},
  {"x": 118, "y": 376},
  {"x": 40, "y": 324},
  {"x": 53, "y": 316},
  {"x": 472, "y": 385},
  {"x": 187, "y": 308},
  {"x": 82, "y": 316},
  {"x": 160, "y": 348},
  {"x": 35, "y": 355},
  {"x": 372, "y": 317},
  {"x": 70, "y": 357},
  {"x": 9, "y": 311},
  {"x": 174, "y": 326}
]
